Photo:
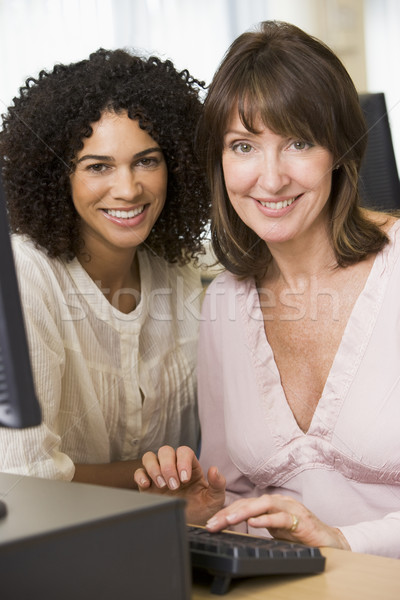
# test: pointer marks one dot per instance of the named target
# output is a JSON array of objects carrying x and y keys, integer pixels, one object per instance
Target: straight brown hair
[{"x": 298, "y": 88}]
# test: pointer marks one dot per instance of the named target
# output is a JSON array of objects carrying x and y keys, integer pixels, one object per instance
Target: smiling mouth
[
  {"x": 279, "y": 205},
  {"x": 125, "y": 214}
]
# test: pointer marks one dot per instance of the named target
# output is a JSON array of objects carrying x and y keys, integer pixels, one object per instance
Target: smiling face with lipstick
[
  {"x": 118, "y": 187},
  {"x": 278, "y": 185}
]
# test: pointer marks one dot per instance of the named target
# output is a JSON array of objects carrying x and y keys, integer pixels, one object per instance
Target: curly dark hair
[{"x": 45, "y": 127}]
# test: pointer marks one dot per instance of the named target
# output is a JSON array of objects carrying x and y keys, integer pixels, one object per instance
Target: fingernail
[
  {"x": 184, "y": 476},
  {"x": 161, "y": 482},
  {"x": 231, "y": 518},
  {"x": 173, "y": 484},
  {"x": 143, "y": 482},
  {"x": 212, "y": 522}
]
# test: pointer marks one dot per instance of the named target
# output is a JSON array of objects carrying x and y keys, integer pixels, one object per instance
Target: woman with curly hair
[{"x": 107, "y": 206}]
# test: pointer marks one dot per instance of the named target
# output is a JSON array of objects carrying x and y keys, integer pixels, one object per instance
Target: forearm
[
  {"x": 116, "y": 474},
  {"x": 379, "y": 537}
]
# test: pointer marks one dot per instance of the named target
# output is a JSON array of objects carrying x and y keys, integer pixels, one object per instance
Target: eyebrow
[
  {"x": 242, "y": 132},
  {"x": 105, "y": 157}
]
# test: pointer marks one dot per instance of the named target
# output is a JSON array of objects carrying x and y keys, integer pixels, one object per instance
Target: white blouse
[{"x": 111, "y": 385}]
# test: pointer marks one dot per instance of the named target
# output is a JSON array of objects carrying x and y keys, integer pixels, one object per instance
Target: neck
[
  {"x": 117, "y": 275},
  {"x": 292, "y": 263}
]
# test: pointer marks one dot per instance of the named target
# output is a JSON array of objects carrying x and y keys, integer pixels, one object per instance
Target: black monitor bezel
[{"x": 21, "y": 408}]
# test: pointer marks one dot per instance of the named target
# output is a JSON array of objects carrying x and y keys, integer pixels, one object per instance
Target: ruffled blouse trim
[{"x": 317, "y": 453}]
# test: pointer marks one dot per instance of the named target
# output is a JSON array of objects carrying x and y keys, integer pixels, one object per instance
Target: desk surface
[{"x": 347, "y": 576}]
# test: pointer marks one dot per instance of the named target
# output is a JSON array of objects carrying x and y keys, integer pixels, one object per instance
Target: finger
[
  {"x": 238, "y": 511},
  {"x": 141, "y": 479},
  {"x": 167, "y": 459},
  {"x": 216, "y": 481},
  {"x": 153, "y": 470},
  {"x": 185, "y": 458},
  {"x": 279, "y": 520}
]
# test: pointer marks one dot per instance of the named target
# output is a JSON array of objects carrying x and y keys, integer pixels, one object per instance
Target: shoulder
[
  {"x": 23, "y": 244},
  {"x": 390, "y": 225},
  {"x": 384, "y": 220},
  {"x": 393, "y": 227},
  {"x": 25, "y": 247},
  {"x": 227, "y": 282},
  {"x": 27, "y": 254},
  {"x": 227, "y": 294},
  {"x": 35, "y": 269},
  {"x": 162, "y": 273}
]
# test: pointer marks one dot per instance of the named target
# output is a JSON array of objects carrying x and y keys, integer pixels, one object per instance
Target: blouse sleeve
[
  {"x": 381, "y": 537},
  {"x": 212, "y": 401},
  {"x": 36, "y": 451}
]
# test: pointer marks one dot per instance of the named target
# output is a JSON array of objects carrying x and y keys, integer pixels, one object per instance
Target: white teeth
[
  {"x": 278, "y": 205},
  {"x": 125, "y": 214}
]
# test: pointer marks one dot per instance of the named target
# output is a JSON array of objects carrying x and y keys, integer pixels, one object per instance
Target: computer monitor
[
  {"x": 64, "y": 540},
  {"x": 19, "y": 406},
  {"x": 379, "y": 183}
]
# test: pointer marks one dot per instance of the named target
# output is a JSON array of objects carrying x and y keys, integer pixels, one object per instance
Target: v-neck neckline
[{"x": 359, "y": 327}]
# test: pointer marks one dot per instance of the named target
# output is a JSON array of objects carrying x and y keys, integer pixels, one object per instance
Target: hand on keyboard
[{"x": 284, "y": 517}]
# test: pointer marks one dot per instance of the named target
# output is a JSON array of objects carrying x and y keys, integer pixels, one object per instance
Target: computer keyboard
[{"x": 227, "y": 555}]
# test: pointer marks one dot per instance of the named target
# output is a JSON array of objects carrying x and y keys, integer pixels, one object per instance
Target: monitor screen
[{"x": 19, "y": 406}]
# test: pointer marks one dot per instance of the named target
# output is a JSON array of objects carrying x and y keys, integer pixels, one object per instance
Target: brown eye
[
  {"x": 149, "y": 161},
  {"x": 96, "y": 168}
]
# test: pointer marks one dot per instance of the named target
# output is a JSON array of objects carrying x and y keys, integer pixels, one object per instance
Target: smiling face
[
  {"x": 278, "y": 186},
  {"x": 119, "y": 185}
]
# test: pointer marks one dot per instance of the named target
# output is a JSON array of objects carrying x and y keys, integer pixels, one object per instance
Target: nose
[
  {"x": 126, "y": 185},
  {"x": 273, "y": 174}
]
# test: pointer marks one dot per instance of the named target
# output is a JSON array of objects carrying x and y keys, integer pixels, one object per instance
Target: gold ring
[{"x": 295, "y": 522}]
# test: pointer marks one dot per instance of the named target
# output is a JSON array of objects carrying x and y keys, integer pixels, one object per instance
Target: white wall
[{"x": 35, "y": 34}]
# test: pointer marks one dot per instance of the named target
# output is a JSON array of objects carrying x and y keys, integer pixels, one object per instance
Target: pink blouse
[{"x": 346, "y": 468}]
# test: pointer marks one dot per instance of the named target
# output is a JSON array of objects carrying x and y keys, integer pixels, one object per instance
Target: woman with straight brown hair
[
  {"x": 282, "y": 77},
  {"x": 299, "y": 348}
]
